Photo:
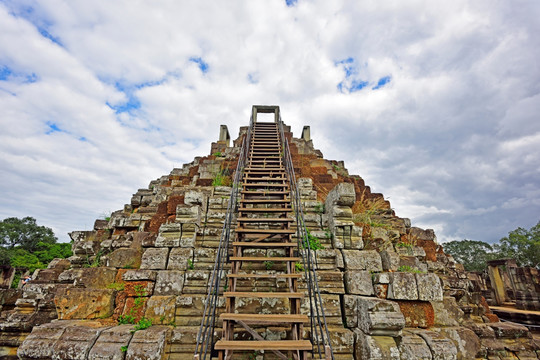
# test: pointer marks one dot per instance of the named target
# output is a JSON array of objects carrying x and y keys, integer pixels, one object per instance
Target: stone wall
[{"x": 389, "y": 290}]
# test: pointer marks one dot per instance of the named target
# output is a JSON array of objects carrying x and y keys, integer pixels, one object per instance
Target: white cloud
[{"x": 451, "y": 139}]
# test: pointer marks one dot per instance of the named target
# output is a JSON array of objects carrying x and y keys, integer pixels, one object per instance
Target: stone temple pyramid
[{"x": 262, "y": 249}]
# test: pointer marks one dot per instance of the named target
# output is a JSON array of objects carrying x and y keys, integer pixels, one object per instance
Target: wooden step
[
  {"x": 263, "y": 258},
  {"x": 260, "y": 192},
  {"x": 249, "y": 177},
  {"x": 265, "y": 231},
  {"x": 268, "y": 210},
  {"x": 261, "y": 319},
  {"x": 264, "y": 244},
  {"x": 265, "y": 276},
  {"x": 264, "y": 220},
  {"x": 281, "y": 295},
  {"x": 255, "y": 345},
  {"x": 265, "y": 185},
  {"x": 265, "y": 201}
]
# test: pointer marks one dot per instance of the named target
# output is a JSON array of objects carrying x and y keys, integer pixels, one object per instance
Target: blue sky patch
[
  {"x": 53, "y": 128},
  {"x": 253, "y": 78},
  {"x": 5, "y": 72},
  {"x": 382, "y": 81},
  {"x": 291, "y": 2},
  {"x": 132, "y": 102},
  {"x": 201, "y": 63}
]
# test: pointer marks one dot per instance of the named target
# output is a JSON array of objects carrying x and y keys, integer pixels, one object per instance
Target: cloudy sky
[{"x": 434, "y": 103}]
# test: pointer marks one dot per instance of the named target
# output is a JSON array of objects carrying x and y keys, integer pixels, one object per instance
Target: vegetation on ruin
[
  {"x": 27, "y": 246},
  {"x": 521, "y": 244},
  {"x": 221, "y": 180}
]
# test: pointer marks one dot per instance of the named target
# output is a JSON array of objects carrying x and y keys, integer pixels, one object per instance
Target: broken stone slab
[
  {"x": 342, "y": 194},
  {"x": 369, "y": 260},
  {"x": 350, "y": 310},
  {"x": 155, "y": 258},
  {"x": 375, "y": 347},
  {"x": 444, "y": 317},
  {"x": 429, "y": 287},
  {"x": 509, "y": 330},
  {"x": 379, "y": 317},
  {"x": 390, "y": 260},
  {"x": 109, "y": 344},
  {"x": 169, "y": 282},
  {"x": 342, "y": 341},
  {"x": 358, "y": 282},
  {"x": 193, "y": 198},
  {"x": 402, "y": 286},
  {"x": 161, "y": 309},
  {"x": 80, "y": 303},
  {"x": 441, "y": 348},
  {"x": 148, "y": 344},
  {"x": 40, "y": 343}
]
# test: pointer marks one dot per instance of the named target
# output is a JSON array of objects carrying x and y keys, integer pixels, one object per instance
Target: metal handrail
[
  {"x": 206, "y": 330},
  {"x": 319, "y": 331}
]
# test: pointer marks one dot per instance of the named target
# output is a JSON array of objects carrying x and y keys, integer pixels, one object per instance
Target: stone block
[
  {"x": 342, "y": 341},
  {"x": 188, "y": 214},
  {"x": 390, "y": 260},
  {"x": 358, "y": 282},
  {"x": 402, "y": 286},
  {"x": 193, "y": 198},
  {"x": 169, "y": 282},
  {"x": 76, "y": 342},
  {"x": 80, "y": 303},
  {"x": 138, "y": 275},
  {"x": 413, "y": 347},
  {"x": 375, "y": 347},
  {"x": 350, "y": 308},
  {"x": 442, "y": 316},
  {"x": 342, "y": 194},
  {"x": 40, "y": 343},
  {"x": 369, "y": 260},
  {"x": 161, "y": 309},
  {"x": 167, "y": 240},
  {"x": 417, "y": 313},
  {"x": 124, "y": 258},
  {"x": 467, "y": 343},
  {"x": 509, "y": 330},
  {"x": 379, "y": 317},
  {"x": 429, "y": 287},
  {"x": 155, "y": 258},
  {"x": 109, "y": 344},
  {"x": 441, "y": 348},
  {"x": 148, "y": 344}
]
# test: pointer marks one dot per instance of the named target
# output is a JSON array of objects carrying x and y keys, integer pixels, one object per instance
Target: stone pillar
[{"x": 306, "y": 133}]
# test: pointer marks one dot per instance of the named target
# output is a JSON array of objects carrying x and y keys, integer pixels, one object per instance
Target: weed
[
  {"x": 319, "y": 209},
  {"x": 190, "y": 264},
  {"x": 407, "y": 268},
  {"x": 144, "y": 323},
  {"x": 314, "y": 242},
  {"x": 126, "y": 319},
  {"x": 221, "y": 180},
  {"x": 217, "y": 154},
  {"x": 140, "y": 290},
  {"x": 116, "y": 286},
  {"x": 95, "y": 262},
  {"x": 268, "y": 265},
  {"x": 123, "y": 348},
  {"x": 298, "y": 266}
]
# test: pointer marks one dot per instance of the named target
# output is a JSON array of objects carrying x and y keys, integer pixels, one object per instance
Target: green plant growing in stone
[
  {"x": 123, "y": 348},
  {"x": 298, "y": 266},
  {"x": 217, "y": 154},
  {"x": 314, "y": 242},
  {"x": 116, "y": 286},
  {"x": 142, "y": 324},
  {"x": 221, "y": 180},
  {"x": 190, "y": 264},
  {"x": 95, "y": 262},
  {"x": 407, "y": 268},
  {"x": 268, "y": 265}
]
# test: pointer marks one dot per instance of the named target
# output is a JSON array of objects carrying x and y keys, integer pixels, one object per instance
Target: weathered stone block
[
  {"x": 169, "y": 282},
  {"x": 369, "y": 260},
  {"x": 417, "y": 313},
  {"x": 402, "y": 286},
  {"x": 138, "y": 275},
  {"x": 40, "y": 343},
  {"x": 413, "y": 347},
  {"x": 379, "y": 317},
  {"x": 509, "y": 330},
  {"x": 350, "y": 307},
  {"x": 342, "y": 341},
  {"x": 429, "y": 287},
  {"x": 375, "y": 347},
  {"x": 342, "y": 194},
  {"x": 161, "y": 309},
  {"x": 76, "y": 342},
  {"x": 148, "y": 344},
  {"x": 467, "y": 343},
  {"x": 109, "y": 344},
  {"x": 390, "y": 260},
  {"x": 155, "y": 258},
  {"x": 358, "y": 282},
  {"x": 122, "y": 258},
  {"x": 78, "y": 303},
  {"x": 441, "y": 347}
]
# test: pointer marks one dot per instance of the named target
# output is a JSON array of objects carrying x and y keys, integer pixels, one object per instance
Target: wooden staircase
[{"x": 264, "y": 223}]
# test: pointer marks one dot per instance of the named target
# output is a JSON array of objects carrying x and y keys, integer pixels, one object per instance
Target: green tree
[
  {"x": 522, "y": 245},
  {"x": 471, "y": 253},
  {"x": 24, "y": 232}
]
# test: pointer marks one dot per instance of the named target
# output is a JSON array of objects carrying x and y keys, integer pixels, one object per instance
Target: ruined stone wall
[{"x": 388, "y": 289}]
